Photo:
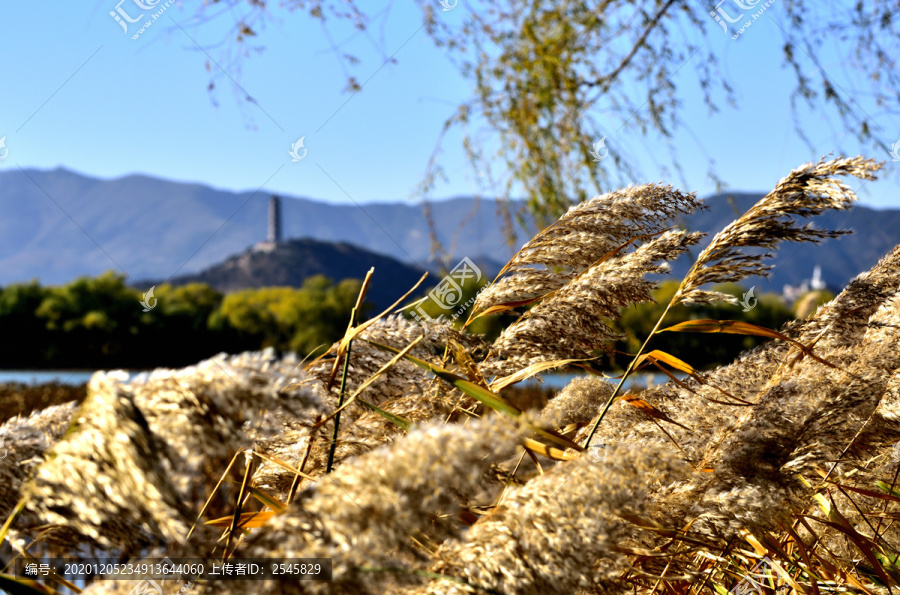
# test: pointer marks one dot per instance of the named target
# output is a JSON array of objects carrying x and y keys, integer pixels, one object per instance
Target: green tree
[
  {"x": 180, "y": 330},
  {"x": 89, "y": 320},
  {"x": 324, "y": 314},
  {"x": 699, "y": 350},
  {"x": 23, "y": 332},
  {"x": 286, "y": 318}
]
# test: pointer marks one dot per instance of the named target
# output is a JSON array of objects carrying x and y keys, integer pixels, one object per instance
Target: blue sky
[{"x": 80, "y": 93}]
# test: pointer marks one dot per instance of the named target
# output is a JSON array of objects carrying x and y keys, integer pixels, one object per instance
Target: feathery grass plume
[
  {"x": 749, "y": 458},
  {"x": 180, "y": 427},
  {"x": 884, "y": 430},
  {"x": 20, "y": 399},
  {"x": 807, "y": 191},
  {"x": 583, "y": 236},
  {"x": 570, "y": 323},
  {"x": 371, "y": 511},
  {"x": 577, "y": 402},
  {"x": 403, "y": 389},
  {"x": 23, "y": 441},
  {"x": 843, "y": 322},
  {"x": 107, "y": 483},
  {"x": 803, "y": 421},
  {"x": 561, "y": 532},
  {"x": 404, "y": 377},
  {"x": 209, "y": 411}
]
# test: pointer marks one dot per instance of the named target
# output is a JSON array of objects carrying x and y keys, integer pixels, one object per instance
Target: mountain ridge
[{"x": 65, "y": 224}]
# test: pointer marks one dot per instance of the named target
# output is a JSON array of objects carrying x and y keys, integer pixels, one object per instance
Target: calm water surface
[
  {"x": 72, "y": 377},
  {"x": 75, "y": 377}
]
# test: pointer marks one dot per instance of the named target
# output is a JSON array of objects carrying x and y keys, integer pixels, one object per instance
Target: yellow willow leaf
[
  {"x": 737, "y": 327},
  {"x": 505, "y": 307},
  {"x": 548, "y": 451},
  {"x": 268, "y": 499},
  {"x": 700, "y": 379},
  {"x": 887, "y": 489},
  {"x": 668, "y": 359},
  {"x": 285, "y": 465},
  {"x": 481, "y": 394},
  {"x": 398, "y": 421},
  {"x": 501, "y": 383},
  {"x": 863, "y": 543},
  {"x": 650, "y": 410},
  {"x": 465, "y": 362},
  {"x": 869, "y": 493},
  {"x": 247, "y": 520}
]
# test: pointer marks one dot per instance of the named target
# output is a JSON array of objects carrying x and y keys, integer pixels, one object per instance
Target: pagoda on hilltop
[{"x": 274, "y": 235}]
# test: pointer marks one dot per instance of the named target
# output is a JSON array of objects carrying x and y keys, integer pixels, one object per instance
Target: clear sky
[{"x": 80, "y": 93}]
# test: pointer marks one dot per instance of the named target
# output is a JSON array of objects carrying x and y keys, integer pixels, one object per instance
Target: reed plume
[
  {"x": 807, "y": 191},
  {"x": 374, "y": 510},
  {"x": 582, "y": 237},
  {"x": 572, "y": 322}
]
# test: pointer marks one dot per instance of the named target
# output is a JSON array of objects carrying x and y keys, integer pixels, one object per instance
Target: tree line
[{"x": 99, "y": 322}]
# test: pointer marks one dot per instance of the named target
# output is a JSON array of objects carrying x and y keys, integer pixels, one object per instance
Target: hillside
[{"x": 291, "y": 262}]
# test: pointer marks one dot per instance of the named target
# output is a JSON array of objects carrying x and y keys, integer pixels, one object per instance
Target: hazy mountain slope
[{"x": 57, "y": 225}]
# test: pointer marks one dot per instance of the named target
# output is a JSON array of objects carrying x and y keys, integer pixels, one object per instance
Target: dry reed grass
[{"x": 784, "y": 456}]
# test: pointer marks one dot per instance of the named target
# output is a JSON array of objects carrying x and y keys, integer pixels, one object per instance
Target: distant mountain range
[
  {"x": 876, "y": 232},
  {"x": 58, "y": 225}
]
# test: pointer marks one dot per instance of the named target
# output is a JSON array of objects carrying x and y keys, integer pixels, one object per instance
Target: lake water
[
  {"x": 72, "y": 377},
  {"x": 558, "y": 381},
  {"x": 75, "y": 377}
]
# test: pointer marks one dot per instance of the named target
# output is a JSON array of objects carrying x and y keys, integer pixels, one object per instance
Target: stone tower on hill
[{"x": 274, "y": 235}]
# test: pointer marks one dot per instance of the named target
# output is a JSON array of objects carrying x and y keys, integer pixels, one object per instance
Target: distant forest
[{"x": 99, "y": 323}]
